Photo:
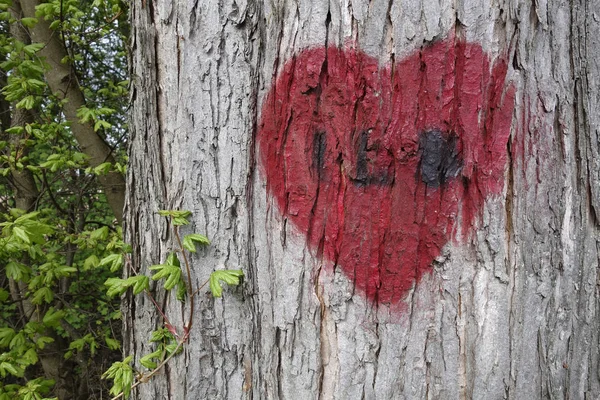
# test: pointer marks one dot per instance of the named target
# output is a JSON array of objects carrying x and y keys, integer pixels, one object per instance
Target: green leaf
[
  {"x": 32, "y": 328},
  {"x": 38, "y": 85},
  {"x": 140, "y": 283},
  {"x": 77, "y": 344},
  {"x": 31, "y": 356},
  {"x": 42, "y": 341},
  {"x": 27, "y": 217},
  {"x": 64, "y": 271},
  {"x": 27, "y": 103},
  {"x": 188, "y": 241},
  {"x": 20, "y": 233},
  {"x": 173, "y": 347},
  {"x": 91, "y": 262},
  {"x": 29, "y": 22},
  {"x": 6, "y": 335},
  {"x": 85, "y": 114},
  {"x": 106, "y": 111},
  {"x": 112, "y": 343},
  {"x": 181, "y": 291},
  {"x": 172, "y": 273},
  {"x": 122, "y": 375},
  {"x": 35, "y": 388},
  {"x": 100, "y": 233},
  {"x": 227, "y": 276},
  {"x": 15, "y": 130},
  {"x": 11, "y": 369},
  {"x": 43, "y": 294},
  {"x": 179, "y": 221},
  {"x": 177, "y": 217},
  {"x": 17, "y": 340},
  {"x": 52, "y": 317},
  {"x": 103, "y": 168},
  {"x": 16, "y": 271},
  {"x": 172, "y": 259},
  {"x": 147, "y": 362},
  {"x": 116, "y": 286},
  {"x": 93, "y": 345},
  {"x": 161, "y": 334},
  {"x": 101, "y": 124},
  {"x": 115, "y": 260},
  {"x": 174, "y": 213}
]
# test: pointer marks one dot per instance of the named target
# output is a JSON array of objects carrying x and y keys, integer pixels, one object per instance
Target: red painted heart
[{"x": 376, "y": 166}]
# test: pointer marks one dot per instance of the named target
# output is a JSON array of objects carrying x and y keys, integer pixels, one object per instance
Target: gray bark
[{"x": 511, "y": 314}]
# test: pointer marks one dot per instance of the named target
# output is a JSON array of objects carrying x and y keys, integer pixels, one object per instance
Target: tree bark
[
  {"x": 507, "y": 306},
  {"x": 26, "y": 192}
]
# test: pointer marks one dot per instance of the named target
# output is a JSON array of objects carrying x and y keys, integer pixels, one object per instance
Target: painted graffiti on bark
[{"x": 380, "y": 166}]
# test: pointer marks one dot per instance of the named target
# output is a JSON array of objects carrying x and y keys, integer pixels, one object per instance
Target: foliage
[
  {"x": 59, "y": 241},
  {"x": 230, "y": 277},
  {"x": 59, "y": 275},
  {"x": 169, "y": 340},
  {"x": 122, "y": 375}
]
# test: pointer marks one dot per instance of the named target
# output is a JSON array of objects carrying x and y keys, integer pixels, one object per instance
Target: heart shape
[{"x": 379, "y": 167}]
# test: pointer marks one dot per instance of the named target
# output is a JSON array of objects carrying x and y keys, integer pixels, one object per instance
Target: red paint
[{"x": 384, "y": 233}]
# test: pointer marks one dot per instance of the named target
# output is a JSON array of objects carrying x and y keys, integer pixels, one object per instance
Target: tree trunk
[{"x": 412, "y": 189}]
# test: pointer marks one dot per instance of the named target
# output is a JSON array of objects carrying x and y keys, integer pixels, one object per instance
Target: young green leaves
[
  {"x": 170, "y": 271},
  {"x": 190, "y": 240},
  {"x": 230, "y": 277},
  {"x": 169, "y": 342},
  {"x": 121, "y": 373},
  {"x": 118, "y": 286},
  {"x": 178, "y": 217}
]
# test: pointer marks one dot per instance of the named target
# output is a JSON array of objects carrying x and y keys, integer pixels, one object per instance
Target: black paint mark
[
  {"x": 362, "y": 169},
  {"x": 440, "y": 159},
  {"x": 319, "y": 148},
  {"x": 363, "y": 176}
]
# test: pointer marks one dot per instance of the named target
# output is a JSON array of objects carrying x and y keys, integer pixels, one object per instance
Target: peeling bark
[{"x": 509, "y": 310}]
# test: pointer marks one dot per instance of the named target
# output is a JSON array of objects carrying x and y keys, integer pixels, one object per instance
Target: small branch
[
  {"x": 100, "y": 223},
  {"x": 50, "y": 194},
  {"x": 189, "y": 277},
  {"x": 99, "y": 28},
  {"x": 200, "y": 288},
  {"x": 130, "y": 264},
  {"x": 158, "y": 308},
  {"x": 146, "y": 378},
  {"x": 141, "y": 378}
]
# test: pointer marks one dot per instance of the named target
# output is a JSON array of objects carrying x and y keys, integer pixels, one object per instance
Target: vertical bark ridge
[{"x": 509, "y": 313}]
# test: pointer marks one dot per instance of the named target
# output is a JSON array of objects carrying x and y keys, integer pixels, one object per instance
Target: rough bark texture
[{"x": 508, "y": 311}]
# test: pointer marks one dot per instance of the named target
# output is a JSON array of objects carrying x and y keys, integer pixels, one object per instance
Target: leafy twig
[
  {"x": 189, "y": 278},
  {"x": 121, "y": 372},
  {"x": 146, "y": 377}
]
